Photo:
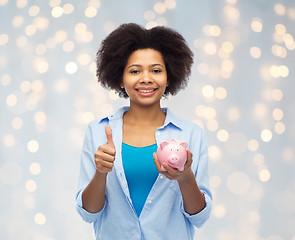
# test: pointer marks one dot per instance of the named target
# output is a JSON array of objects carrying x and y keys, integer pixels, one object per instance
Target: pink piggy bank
[{"x": 173, "y": 153}]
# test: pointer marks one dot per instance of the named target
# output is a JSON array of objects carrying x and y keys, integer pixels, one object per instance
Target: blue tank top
[{"x": 140, "y": 172}]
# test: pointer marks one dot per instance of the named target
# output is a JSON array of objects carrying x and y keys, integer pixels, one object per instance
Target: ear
[
  {"x": 184, "y": 144},
  {"x": 163, "y": 144}
]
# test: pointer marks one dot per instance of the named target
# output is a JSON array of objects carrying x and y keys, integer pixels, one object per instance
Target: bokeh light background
[{"x": 241, "y": 91}]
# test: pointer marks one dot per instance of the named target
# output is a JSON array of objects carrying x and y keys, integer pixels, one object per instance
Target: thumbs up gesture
[{"x": 105, "y": 155}]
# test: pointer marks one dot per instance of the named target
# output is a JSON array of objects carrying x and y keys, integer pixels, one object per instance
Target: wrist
[{"x": 187, "y": 177}]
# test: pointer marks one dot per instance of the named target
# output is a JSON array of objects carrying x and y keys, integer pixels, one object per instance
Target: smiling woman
[
  {"x": 121, "y": 179},
  {"x": 145, "y": 77}
]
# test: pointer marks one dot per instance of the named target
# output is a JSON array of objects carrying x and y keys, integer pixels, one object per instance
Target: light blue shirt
[{"x": 163, "y": 216}]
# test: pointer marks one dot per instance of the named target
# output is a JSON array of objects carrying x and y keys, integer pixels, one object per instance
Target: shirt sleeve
[
  {"x": 87, "y": 170},
  {"x": 202, "y": 178}
]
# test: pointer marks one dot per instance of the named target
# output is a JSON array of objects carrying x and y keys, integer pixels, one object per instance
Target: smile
[{"x": 146, "y": 92}]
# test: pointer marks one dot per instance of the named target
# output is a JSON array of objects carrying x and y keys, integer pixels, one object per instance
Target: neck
[{"x": 145, "y": 115}]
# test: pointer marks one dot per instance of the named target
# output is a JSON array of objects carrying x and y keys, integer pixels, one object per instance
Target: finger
[
  {"x": 158, "y": 166},
  {"x": 170, "y": 170},
  {"x": 106, "y": 149},
  {"x": 104, "y": 157},
  {"x": 109, "y": 136}
]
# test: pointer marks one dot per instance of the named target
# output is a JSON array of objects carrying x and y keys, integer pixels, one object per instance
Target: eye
[
  {"x": 134, "y": 71},
  {"x": 157, "y": 70}
]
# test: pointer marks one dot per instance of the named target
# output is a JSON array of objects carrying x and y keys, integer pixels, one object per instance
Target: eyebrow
[{"x": 138, "y": 65}]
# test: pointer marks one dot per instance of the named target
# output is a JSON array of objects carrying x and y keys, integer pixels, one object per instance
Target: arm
[
  {"x": 193, "y": 198},
  {"x": 93, "y": 196}
]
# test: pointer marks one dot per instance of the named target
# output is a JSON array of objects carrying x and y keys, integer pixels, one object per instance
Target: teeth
[{"x": 145, "y": 91}]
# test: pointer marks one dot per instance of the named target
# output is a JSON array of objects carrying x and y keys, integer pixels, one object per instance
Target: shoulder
[{"x": 183, "y": 124}]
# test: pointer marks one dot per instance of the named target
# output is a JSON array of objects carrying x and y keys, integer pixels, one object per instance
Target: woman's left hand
[{"x": 174, "y": 174}]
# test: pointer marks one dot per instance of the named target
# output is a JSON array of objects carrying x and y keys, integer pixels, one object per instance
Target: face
[{"x": 145, "y": 77}]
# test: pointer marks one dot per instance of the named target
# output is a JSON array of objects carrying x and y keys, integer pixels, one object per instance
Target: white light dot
[
  {"x": 61, "y": 85},
  {"x": 212, "y": 125},
  {"x": 9, "y": 140},
  {"x": 40, "y": 219},
  {"x": 40, "y": 117},
  {"x": 68, "y": 46},
  {"x": 277, "y": 114},
  {"x": 256, "y": 25},
  {"x": 159, "y": 7},
  {"x": 214, "y": 153},
  {"x": 219, "y": 211},
  {"x": 255, "y": 52},
  {"x": 35, "y": 168},
  {"x": 17, "y": 123},
  {"x": 3, "y": 2},
  {"x": 253, "y": 145},
  {"x": 84, "y": 59},
  {"x": 68, "y": 8},
  {"x": 266, "y": 135},
  {"x": 233, "y": 114},
  {"x": 210, "y": 48},
  {"x": 288, "y": 154},
  {"x": 88, "y": 117},
  {"x": 264, "y": 175},
  {"x": 215, "y": 181},
  {"x": 71, "y": 67},
  {"x": 220, "y": 93},
  {"x": 170, "y": 4},
  {"x": 57, "y": 12},
  {"x": 280, "y": 127},
  {"x": 33, "y": 146},
  {"x": 3, "y": 39},
  {"x": 11, "y": 100},
  {"x": 254, "y": 217},
  {"x": 113, "y": 95},
  {"x": 149, "y": 15},
  {"x": 208, "y": 91},
  {"x": 222, "y": 135},
  {"x": 5, "y": 79},
  {"x": 34, "y": 11},
  {"x": 31, "y": 186},
  {"x": 279, "y": 9},
  {"x": 90, "y": 12}
]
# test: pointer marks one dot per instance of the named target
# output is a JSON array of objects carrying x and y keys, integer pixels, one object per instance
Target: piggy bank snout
[{"x": 174, "y": 157}]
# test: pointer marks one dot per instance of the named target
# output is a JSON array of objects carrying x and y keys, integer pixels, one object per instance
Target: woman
[{"x": 122, "y": 188}]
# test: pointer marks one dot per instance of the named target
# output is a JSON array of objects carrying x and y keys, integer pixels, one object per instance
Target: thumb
[
  {"x": 109, "y": 136},
  {"x": 189, "y": 157}
]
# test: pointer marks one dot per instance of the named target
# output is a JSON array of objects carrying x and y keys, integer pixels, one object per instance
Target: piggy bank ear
[
  {"x": 184, "y": 144},
  {"x": 163, "y": 144}
]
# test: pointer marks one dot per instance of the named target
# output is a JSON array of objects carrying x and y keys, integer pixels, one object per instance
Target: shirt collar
[{"x": 170, "y": 117}]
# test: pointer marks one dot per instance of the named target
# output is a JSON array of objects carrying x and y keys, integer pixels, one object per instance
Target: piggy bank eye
[
  {"x": 171, "y": 149},
  {"x": 177, "y": 150}
]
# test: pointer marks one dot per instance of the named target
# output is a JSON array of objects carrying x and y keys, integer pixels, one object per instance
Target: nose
[{"x": 146, "y": 78}]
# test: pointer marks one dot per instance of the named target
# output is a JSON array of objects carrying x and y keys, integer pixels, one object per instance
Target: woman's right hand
[{"x": 105, "y": 155}]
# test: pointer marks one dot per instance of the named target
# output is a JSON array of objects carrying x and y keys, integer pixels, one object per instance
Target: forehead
[{"x": 145, "y": 56}]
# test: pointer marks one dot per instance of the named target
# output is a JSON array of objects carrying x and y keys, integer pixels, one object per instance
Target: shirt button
[
  {"x": 150, "y": 201},
  {"x": 161, "y": 177}
]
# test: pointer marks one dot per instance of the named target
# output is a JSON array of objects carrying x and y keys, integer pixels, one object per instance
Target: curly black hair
[{"x": 127, "y": 38}]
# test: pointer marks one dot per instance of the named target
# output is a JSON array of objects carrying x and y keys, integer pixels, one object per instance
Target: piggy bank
[{"x": 172, "y": 152}]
